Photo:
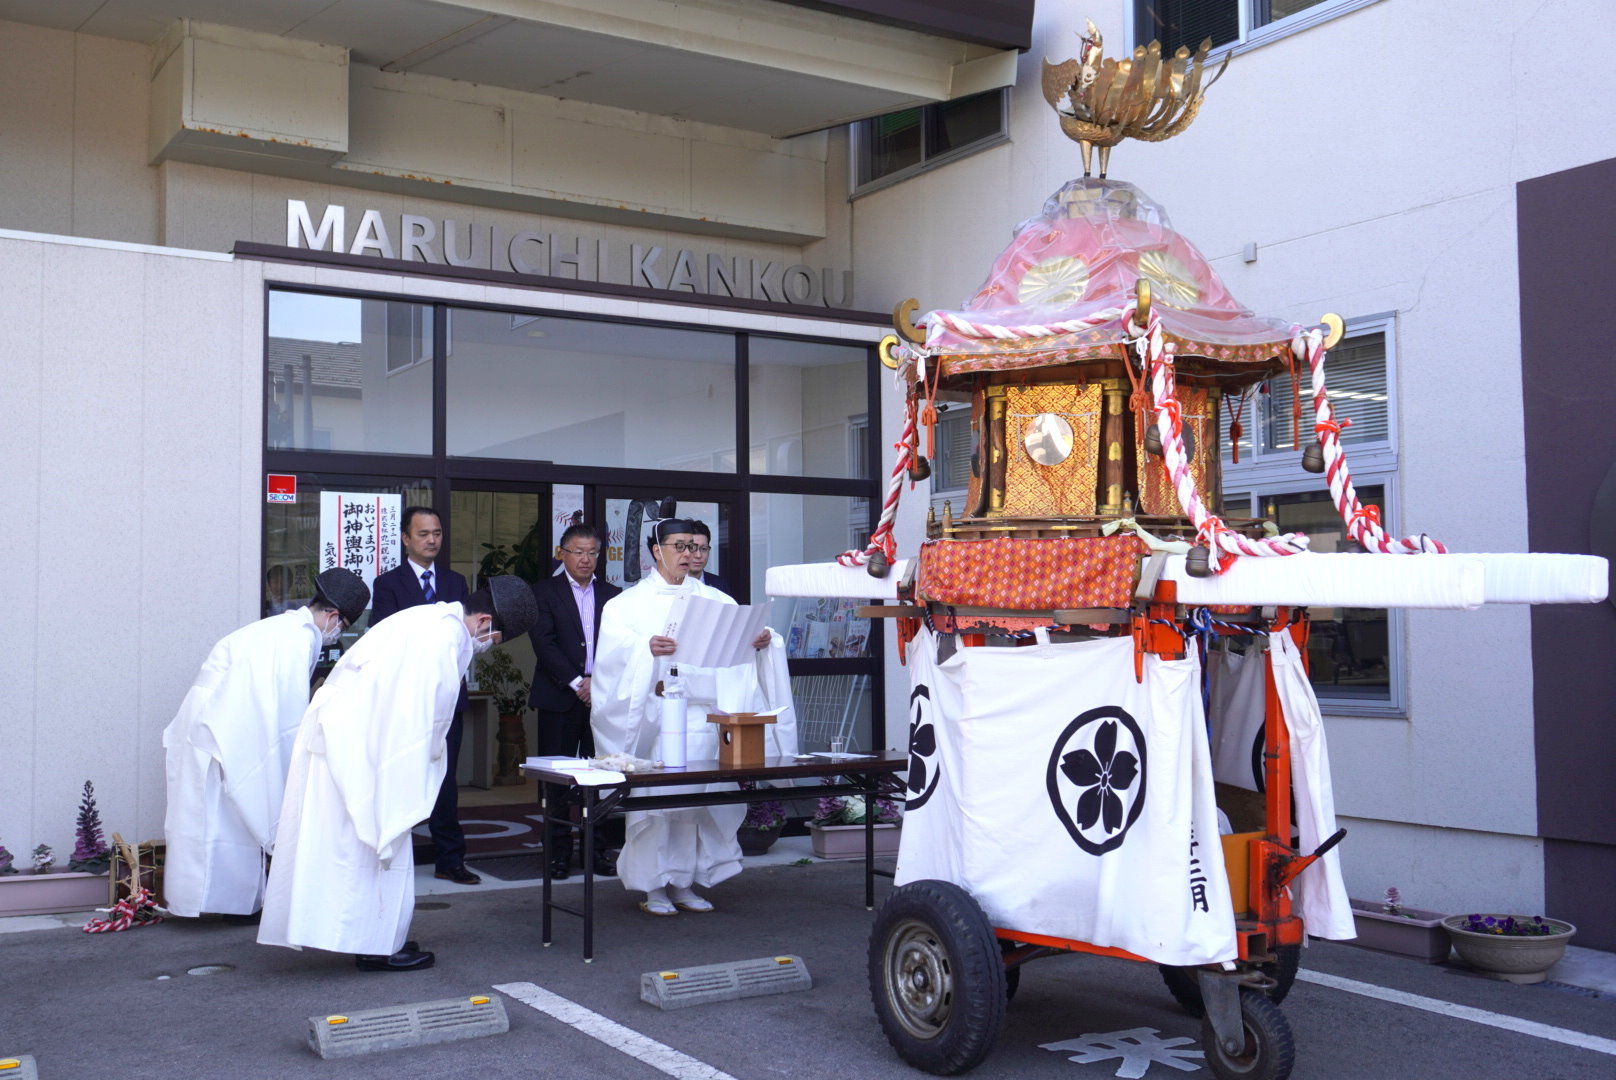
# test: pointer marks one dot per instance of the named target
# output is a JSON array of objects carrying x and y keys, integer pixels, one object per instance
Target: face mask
[
  {"x": 332, "y": 633},
  {"x": 480, "y": 645}
]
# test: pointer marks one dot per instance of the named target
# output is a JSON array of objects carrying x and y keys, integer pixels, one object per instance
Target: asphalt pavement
[{"x": 200, "y": 998}]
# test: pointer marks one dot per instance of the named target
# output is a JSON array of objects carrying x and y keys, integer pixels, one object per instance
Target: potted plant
[
  {"x": 1392, "y": 927},
  {"x": 45, "y": 890},
  {"x": 837, "y": 827},
  {"x": 498, "y": 674},
  {"x": 1513, "y": 948},
  {"x": 762, "y": 825}
]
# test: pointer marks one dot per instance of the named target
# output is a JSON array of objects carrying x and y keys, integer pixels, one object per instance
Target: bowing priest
[
  {"x": 228, "y": 748},
  {"x": 369, "y": 760},
  {"x": 667, "y": 852}
]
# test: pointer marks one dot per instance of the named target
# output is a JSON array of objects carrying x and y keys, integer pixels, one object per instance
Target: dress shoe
[
  {"x": 605, "y": 865},
  {"x": 560, "y": 868},
  {"x": 459, "y": 875},
  {"x": 406, "y": 959}
]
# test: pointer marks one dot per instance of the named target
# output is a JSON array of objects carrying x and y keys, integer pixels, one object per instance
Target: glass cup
[{"x": 838, "y": 746}]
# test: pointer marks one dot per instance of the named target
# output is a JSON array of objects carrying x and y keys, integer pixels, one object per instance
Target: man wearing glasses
[
  {"x": 564, "y": 637},
  {"x": 699, "y": 556}
]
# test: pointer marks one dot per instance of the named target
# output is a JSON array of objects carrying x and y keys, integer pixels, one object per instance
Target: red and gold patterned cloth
[{"x": 1031, "y": 574}]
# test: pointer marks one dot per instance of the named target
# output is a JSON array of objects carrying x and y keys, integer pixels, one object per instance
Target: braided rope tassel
[
  {"x": 132, "y": 911},
  {"x": 1363, "y": 522},
  {"x": 1209, "y": 528}
]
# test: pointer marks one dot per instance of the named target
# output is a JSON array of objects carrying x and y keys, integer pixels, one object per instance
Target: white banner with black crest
[{"x": 1068, "y": 799}]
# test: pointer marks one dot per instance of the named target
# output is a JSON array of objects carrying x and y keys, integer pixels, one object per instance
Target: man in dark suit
[
  {"x": 564, "y": 637},
  {"x": 698, "y": 564},
  {"x": 418, "y": 580}
]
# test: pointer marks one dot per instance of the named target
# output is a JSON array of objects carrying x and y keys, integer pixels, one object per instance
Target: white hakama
[
  {"x": 227, "y": 751},
  {"x": 689, "y": 846},
  {"x": 366, "y": 768}
]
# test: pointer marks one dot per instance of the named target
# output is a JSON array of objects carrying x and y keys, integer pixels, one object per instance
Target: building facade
[{"x": 521, "y": 268}]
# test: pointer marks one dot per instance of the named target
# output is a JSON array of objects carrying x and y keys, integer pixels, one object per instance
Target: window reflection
[
  {"x": 348, "y": 374},
  {"x": 808, "y": 408},
  {"x": 586, "y": 392}
]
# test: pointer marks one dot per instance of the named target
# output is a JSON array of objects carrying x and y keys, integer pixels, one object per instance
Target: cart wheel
[
  {"x": 1186, "y": 989},
  {"x": 1269, "y": 1052},
  {"x": 936, "y": 977}
]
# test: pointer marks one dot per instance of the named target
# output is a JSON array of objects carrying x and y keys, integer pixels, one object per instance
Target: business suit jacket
[
  {"x": 714, "y": 581},
  {"x": 400, "y": 588},
  {"x": 558, "y": 640}
]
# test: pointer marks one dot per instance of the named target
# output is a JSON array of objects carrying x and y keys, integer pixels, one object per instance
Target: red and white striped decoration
[
  {"x": 1363, "y": 522},
  {"x": 881, "y": 538},
  {"x": 1209, "y": 528},
  {"x": 132, "y": 911}
]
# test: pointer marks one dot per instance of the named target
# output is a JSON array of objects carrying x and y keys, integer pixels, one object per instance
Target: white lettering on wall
[
  {"x": 333, "y": 226},
  {"x": 581, "y": 257}
]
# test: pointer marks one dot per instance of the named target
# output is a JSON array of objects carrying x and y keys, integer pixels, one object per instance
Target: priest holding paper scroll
[{"x": 668, "y": 851}]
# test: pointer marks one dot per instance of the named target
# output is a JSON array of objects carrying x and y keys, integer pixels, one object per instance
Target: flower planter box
[
  {"x": 1415, "y": 933},
  {"x": 756, "y": 841},
  {"x": 1512, "y": 959},
  {"x": 847, "y": 841},
  {"x": 47, "y": 894}
]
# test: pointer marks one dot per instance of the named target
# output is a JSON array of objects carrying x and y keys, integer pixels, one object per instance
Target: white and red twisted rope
[
  {"x": 1209, "y": 528},
  {"x": 881, "y": 538},
  {"x": 1363, "y": 522},
  {"x": 940, "y": 320},
  {"x": 132, "y": 911}
]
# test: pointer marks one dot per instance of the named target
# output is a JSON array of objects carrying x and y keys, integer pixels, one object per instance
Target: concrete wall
[
  {"x": 133, "y": 432},
  {"x": 1376, "y": 172}
]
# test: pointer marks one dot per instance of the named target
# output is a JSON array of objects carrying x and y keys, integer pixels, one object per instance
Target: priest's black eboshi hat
[
  {"x": 515, "y": 609},
  {"x": 343, "y": 590}
]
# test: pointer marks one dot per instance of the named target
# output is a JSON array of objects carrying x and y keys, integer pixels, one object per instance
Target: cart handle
[{"x": 1291, "y": 868}]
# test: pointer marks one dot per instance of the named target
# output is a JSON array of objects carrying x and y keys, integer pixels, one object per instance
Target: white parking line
[
  {"x": 1463, "y": 1012},
  {"x": 662, "y": 1058}
]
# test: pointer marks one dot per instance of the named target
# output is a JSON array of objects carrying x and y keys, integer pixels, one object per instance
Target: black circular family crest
[
  {"x": 923, "y": 765},
  {"x": 1259, "y": 749},
  {"x": 1096, "y": 778}
]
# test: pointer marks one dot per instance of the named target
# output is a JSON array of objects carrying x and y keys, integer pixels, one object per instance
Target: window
[
  {"x": 900, "y": 144},
  {"x": 951, "y": 469},
  {"x": 1354, "y": 654},
  {"x": 348, "y": 374},
  {"x": 804, "y": 399},
  {"x": 1230, "y": 22}
]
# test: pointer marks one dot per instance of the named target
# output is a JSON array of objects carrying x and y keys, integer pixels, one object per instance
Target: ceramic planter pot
[
  {"x": 756, "y": 841},
  {"x": 47, "y": 894},
  {"x": 847, "y": 841},
  {"x": 1414, "y": 932},
  {"x": 1512, "y": 959}
]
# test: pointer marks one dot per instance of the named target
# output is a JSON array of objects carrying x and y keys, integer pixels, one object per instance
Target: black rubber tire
[
  {"x": 1270, "y": 1051},
  {"x": 936, "y": 977},
  {"x": 1186, "y": 988}
]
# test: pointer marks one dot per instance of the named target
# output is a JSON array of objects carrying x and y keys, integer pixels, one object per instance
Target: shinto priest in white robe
[
  {"x": 227, "y": 751},
  {"x": 695, "y": 845},
  {"x": 367, "y": 765}
]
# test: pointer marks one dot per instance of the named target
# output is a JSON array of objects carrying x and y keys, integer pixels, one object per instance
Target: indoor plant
[
  {"x": 1513, "y": 948},
  {"x": 498, "y": 674},
  {"x": 762, "y": 825},
  {"x": 1391, "y": 926},
  {"x": 837, "y": 827}
]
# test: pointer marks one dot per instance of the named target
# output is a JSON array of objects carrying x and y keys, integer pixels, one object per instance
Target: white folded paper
[
  {"x": 580, "y": 769},
  {"x": 714, "y": 634}
]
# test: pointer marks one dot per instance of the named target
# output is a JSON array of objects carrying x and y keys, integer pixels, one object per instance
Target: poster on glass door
[{"x": 359, "y": 531}]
